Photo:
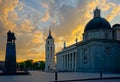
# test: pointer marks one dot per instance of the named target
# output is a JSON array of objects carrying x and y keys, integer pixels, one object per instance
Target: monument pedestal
[{"x": 10, "y": 59}]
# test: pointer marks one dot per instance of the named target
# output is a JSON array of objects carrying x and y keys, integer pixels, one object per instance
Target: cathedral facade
[{"x": 98, "y": 51}]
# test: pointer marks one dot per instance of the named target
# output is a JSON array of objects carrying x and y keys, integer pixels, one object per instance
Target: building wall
[
  {"x": 101, "y": 56},
  {"x": 67, "y": 60},
  {"x": 94, "y": 56},
  {"x": 103, "y": 34},
  {"x": 50, "y": 55},
  {"x": 99, "y": 51}
]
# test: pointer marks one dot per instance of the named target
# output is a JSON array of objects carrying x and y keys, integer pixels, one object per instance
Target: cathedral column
[
  {"x": 75, "y": 55},
  {"x": 67, "y": 61},
  {"x": 63, "y": 62},
  {"x": 72, "y": 61},
  {"x": 61, "y": 58}
]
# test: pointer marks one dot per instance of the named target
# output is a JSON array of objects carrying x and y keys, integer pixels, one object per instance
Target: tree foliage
[{"x": 30, "y": 65}]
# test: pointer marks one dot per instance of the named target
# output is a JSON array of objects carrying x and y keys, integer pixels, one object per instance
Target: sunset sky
[{"x": 30, "y": 20}]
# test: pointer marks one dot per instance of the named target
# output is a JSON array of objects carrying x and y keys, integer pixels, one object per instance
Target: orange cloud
[
  {"x": 115, "y": 12},
  {"x": 6, "y": 7},
  {"x": 38, "y": 37},
  {"x": 46, "y": 16},
  {"x": 27, "y": 26}
]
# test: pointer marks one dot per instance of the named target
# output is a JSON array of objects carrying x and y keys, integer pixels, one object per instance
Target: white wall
[{"x": 97, "y": 34}]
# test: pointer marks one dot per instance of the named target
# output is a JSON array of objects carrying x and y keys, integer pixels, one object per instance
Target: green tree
[
  {"x": 28, "y": 64},
  {"x": 36, "y": 66},
  {"x": 42, "y": 65}
]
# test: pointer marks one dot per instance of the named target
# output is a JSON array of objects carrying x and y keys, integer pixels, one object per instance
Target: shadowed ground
[{"x": 39, "y": 76}]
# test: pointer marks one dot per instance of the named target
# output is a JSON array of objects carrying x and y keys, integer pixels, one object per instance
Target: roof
[
  {"x": 49, "y": 36},
  {"x": 116, "y": 25},
  {"x": 97, "y": 22}
]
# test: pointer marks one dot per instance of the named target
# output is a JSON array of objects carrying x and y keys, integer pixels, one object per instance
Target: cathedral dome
[{"x": 97, "y": 22}]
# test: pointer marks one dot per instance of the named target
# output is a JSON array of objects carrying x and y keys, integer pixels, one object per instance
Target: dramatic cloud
[
  {"x": 115, "y": 12},
  {"x": 31, "y": 20},
  {"x": 46, "y": 16},
  {"x": 6, "y": 8}
]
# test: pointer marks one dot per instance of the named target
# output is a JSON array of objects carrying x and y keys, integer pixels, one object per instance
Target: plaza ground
[{"x": 39, "y": 76}]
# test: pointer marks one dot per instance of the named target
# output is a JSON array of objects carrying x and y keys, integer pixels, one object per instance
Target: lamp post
[{"x": 56, "y": 73}]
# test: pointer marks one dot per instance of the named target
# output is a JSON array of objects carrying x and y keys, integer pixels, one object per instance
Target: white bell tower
[{"x": 50, "y": 54}]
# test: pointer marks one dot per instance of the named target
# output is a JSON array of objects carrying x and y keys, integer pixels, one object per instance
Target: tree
[
  {"x": 42, "y": 65},
  {"x": 28, "y": 64}
]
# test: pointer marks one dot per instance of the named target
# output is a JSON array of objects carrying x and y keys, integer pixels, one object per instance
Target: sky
[{"x": 31, "y": 20}]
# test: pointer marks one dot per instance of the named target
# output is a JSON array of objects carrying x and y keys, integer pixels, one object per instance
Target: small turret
[
  {"x": 76, "y": 40},
  {"x": 116, "y": 31},
  {"x": 64, "y": 44},
  {"x": 49, "y": 36},
  {"x": 97, "y": 12}
]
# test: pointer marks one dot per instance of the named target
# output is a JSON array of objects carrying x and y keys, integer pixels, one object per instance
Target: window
[
  {"x": 107, "y": 50},
  {"x": 48, "y": 48},
  {"x": 106, "y": 35},
  {"x": 48, "y": 42},
  {"x": 85, "y": 58},
  {"x": 86, "y": 36},
  {"x": 51, "y": 48}
]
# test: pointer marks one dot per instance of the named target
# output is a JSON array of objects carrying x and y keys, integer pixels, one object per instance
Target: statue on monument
[{"x": 10, "y": 37}]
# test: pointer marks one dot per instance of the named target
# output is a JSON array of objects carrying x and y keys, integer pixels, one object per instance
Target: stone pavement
[{"x": 106, "y": 79}]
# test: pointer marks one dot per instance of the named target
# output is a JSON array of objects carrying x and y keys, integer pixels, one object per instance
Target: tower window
[
  {"x": 48, "y": 67},
  {"x": 48, "y": 48},
  {"x": 51, "y": 48},
  {"x": 48, "y": 42}
]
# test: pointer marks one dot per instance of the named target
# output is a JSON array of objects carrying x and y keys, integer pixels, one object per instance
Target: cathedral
[
  {"x": 98, "y": 51},
  {"x": 50, "y": 54}
]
